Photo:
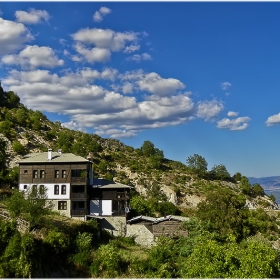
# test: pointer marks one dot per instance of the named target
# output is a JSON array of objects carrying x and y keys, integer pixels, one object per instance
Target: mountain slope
[{"x": 152, "y": 175}]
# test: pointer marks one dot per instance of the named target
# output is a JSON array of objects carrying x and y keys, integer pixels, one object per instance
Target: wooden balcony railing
[
  {"x": 79, "y": 180},
  {"x": 79, "y": 212},
  {"x": 79, "y": 195}
]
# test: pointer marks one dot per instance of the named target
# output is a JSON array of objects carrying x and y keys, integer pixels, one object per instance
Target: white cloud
[
  {"x": 272, "y": 120},
  {"x": 93, "y": 55},
  {"x": 153, "y": 83},
  {"x": 92, "y": 106},
  {"x": 225, "y": 85},
  {"x": 34, "y": 57},
  {"x": 139, "y": 57},
  {"x": 232, "y": 114},
  {"x": 209, "y": 109},
  {"x": 105, "y": 38},
  {"x": 32, "y": 17},
  {"x": 116, "y": 133},
  {"x": 74, "y": 126},
  {"x": 131, "y": 48},
  {"x": 127, "y": 88},
  {"x": 240, "y": 123},
  {"x": 98, "y": 15},
  {"x": 12, "y": 36}
]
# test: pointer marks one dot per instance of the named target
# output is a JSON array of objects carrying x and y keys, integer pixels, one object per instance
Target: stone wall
[
  {"x": 114, "y": 225},
  {"x": 140, "y": 234}
]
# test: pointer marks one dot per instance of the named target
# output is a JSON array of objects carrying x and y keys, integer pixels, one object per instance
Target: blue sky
[{"x": 191, "y": 77}]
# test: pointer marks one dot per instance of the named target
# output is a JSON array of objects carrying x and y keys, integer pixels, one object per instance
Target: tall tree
[{"x": 197, "y": 164}]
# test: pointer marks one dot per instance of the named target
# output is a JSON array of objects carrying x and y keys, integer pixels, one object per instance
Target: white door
[{"x": 106, "y": 207}]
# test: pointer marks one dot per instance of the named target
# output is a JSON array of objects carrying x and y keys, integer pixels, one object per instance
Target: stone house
[
  {"x": 69, "y": 185},
  {"x": 146, "y": 230}
]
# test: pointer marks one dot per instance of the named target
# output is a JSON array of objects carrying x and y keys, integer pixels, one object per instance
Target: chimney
[
  {"x": 49, "y": 154},
  {"x": 60, "y": 151}
]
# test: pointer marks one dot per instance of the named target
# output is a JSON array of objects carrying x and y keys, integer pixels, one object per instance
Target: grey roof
[
  {"x": 56, "y": 157},
  {"x": 158, "y": 220},
  {"x": 107, "y": 184}
]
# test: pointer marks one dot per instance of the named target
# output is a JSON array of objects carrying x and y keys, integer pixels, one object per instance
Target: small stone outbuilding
[{"x": 146, "y": 230}]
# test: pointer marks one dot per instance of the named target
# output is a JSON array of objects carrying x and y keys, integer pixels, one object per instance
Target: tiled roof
[
  {"x": 56, "y": 157},
  {"x": 158, "y": 220},
  {"x": 142, "y": 218},
  {"x": 106, "y": 184}
]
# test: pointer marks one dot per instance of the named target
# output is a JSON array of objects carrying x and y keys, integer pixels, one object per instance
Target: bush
[{"x": 19, "y": 148}]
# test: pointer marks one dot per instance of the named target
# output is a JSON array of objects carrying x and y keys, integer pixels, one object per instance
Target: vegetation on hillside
[{"x": 226, "y": 239}]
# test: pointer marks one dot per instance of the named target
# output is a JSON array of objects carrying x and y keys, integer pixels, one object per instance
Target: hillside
[
  {"x": 225, "y": 237},
  {"x": 145, "y": 168}
]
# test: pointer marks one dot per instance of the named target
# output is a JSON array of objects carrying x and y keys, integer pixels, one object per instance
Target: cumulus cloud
[
  {"x": 92, "y": 55},
  {"x": 240, "y": 123},
  {"x": 225, "y": 86},
  {"x": 32, "y": 17},
  {"x": 98, "y": 15},
  {"x": 232, "y": 114},
  {"x": 96, "y": 45},
  {"x": 34, "y": 57},
  {"x": 12, "y": 36},
  {"x": 131, "y": 48},
  {"x": 139, "y": 57},
  {"x": 209, "y": 109},
  {"x": 109, "y": 112},
  {"x": 116, "y": 133},
  {"x": 273, "y": 120},
  {"x": 74, "y": 126},
  {"x": 155, "y": 84}
]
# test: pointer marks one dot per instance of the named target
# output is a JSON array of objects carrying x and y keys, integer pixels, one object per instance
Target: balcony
[
  {"x": 79, "y": 180},
  {"x": 122, "y": 196},
  {"x": 79, "y": 212},
  {"x": 79, "y": 195}
]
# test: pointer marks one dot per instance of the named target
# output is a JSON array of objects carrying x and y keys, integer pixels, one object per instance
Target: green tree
[
  {"x": 237, "y": 176},
  {"x": 22, "y": 116},
  {"x": 245, "y": 185},
  {"x": 13, "y": 100},
  {"x": 3, "y": 158},
  {"x": 148, "y": 149},
  {"x": 6, "y": 128},
  {"x": 197, "y": 164},
  {"x": 139, "y": 206},
  {"x": 257, "y": 190},
  {"x": 226, "y": 212},
  {"x": 18, "y": 148},
  {"x": 65, "y": 141},
  {"x": 220, "y": 172},
  {"x": 31, "y": 206}
]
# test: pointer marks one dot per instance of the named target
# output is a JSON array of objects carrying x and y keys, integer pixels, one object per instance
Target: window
[
  {"x": 63, "y": 173},
  {"x": 25, "y": 187},
  {"x": 56, "y": 173},
  {"x": 76, "y": 173},
  {"x": 42, "y": 173},
  {"x": 25, "y": 171},
  {"x": 62, "y": 205},
  {"x": 63, "y": 189},
  {"x": 41, "y": 189},
  {"x": 35, "y": 173},
  {"x": 56, "y": 189}
]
